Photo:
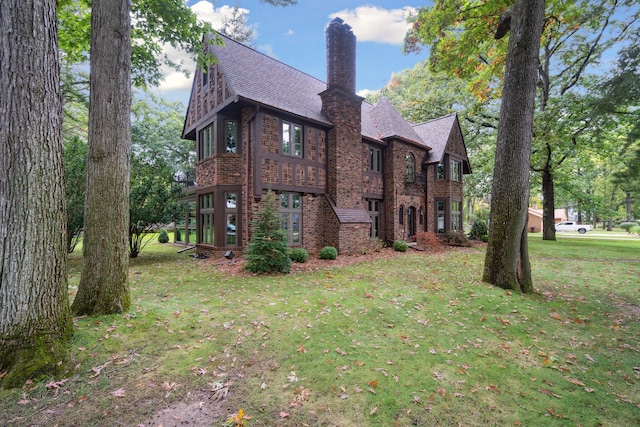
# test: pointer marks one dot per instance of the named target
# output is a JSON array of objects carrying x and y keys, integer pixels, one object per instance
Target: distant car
[{"x": 573, "y": 226}]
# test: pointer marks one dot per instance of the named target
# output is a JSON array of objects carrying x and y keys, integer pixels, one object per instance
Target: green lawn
[{"x": 413, "y": 339}]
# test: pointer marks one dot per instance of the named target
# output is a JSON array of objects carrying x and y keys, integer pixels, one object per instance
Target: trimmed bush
[
  {"x": 328, "y": 252},
  {"x": 628, "y": 225},
  {"x": 400, "y": 246},
  {"x": 298, "y": 255},
  {"x": 485, "y": 238},
  {"x": 163, "y": 237},
  {"x": 635, "y": 230},
  {"x": 478, "y": 229}
]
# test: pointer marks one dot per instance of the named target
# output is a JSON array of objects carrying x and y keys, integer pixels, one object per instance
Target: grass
[{"x": 414, "y": 339}]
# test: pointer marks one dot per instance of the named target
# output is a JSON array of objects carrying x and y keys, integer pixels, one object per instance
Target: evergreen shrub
[
  {"x": 627, "y": 225},
  {"x": 400, "y": 246},
  {"x": 163, "y": 237},
  {"x": 267, "y": 251},
  {"x": 298, "y": 255},
  {"x": 328, "y": 252}
]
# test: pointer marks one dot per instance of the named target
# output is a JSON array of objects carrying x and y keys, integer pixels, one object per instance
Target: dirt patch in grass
[{"x": 197, "y": 409}]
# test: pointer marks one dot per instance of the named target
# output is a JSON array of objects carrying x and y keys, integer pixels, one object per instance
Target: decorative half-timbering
[{"x": 346, "y": 172}]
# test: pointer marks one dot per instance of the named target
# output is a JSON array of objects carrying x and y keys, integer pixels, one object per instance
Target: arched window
[{"x": 411, "y": 168}]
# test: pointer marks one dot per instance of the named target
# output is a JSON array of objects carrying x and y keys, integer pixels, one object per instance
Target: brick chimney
[
  {"x": 342, "y": 107},
  {"x": 341, "y": 56}
]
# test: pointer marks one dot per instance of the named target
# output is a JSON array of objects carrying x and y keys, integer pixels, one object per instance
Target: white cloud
[
  {"x": 375, "y": 24},
  {"x": 289, "y": 32},
  {"x": 267, "y": 49},
  {"x": 365, "y": 92}
]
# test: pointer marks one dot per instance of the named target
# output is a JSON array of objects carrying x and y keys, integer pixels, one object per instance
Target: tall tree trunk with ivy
[
  {"x": 35, "y": 323},
  {"x": 507, "y": 258},
  {"x": 104, "y": 287}
]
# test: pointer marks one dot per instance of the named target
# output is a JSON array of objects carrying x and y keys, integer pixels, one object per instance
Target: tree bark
[
  {"x": 35, "y": 322},
  {"x": 507, "y": 258},
  {"x": 548, "y": 205},
  {"x": 104, "y": 287}
]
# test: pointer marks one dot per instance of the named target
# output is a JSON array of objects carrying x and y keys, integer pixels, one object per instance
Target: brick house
[{"x": 346, "y": 172}]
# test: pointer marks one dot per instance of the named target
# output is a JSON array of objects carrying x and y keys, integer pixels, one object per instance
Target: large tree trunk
[
  {"x": 548, "y": 205},
  {"x": 104, "y": 287},
  {"x": 35, "y": 323},
  {"x": 507, "y": 259}
]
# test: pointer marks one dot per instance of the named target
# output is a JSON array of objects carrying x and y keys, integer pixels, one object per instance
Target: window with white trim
[{"x": 292, "y": 140}]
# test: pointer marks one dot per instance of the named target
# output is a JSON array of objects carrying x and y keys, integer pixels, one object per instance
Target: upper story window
[
  {"x": 205, "y": 76},
  {"x": 292, "y": 139},
  {"x": 440, "y": 171},
  {"x": 207, "y": 142},
  {"x": 411, "y": 168},
  {"x": 375, "y": 160},
  {"x": 231, "y": 136},
  {"x": 456, "y": 170}
]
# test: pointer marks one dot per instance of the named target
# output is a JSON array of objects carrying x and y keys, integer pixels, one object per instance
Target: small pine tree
[{"x": 268, "y": 251}]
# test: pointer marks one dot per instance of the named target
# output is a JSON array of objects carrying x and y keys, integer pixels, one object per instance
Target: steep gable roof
[
  {"x": 436, "y": 133},
  {"x": 389, "y": 123},
  {"x": 257, "y": 77}
]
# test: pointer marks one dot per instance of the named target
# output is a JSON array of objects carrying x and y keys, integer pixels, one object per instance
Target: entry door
[{"x": 411, "y": 222}]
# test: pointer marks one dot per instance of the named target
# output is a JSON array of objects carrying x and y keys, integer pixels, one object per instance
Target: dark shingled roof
[
  {"x": 435, "y": 133},
  {"x": 389, "y": 123},
  {"x": 254, "y": 76},
  {"x": 351, "y": 215}
]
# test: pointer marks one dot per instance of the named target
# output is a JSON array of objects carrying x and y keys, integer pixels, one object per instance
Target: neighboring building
[
  {"x": 534, "y": 224},
  {"x": 345, "y": 171}
]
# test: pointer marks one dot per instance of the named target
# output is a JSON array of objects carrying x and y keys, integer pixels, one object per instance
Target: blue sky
[{"x": 295, "y": 36}]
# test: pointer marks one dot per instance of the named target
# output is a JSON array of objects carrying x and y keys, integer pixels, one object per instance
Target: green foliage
[
  {"x": 163, "y": 236},
  {"x": 635, "y": 230},
  {"x": 478, "y": 229},
  {"x": 153, "y": 200},
  {"x": 400, "y": 246},
  {"x": 628, "y": 225},
  {"x": 75, "y": 155},
  {"x": 485, "y": 238},
  {"x": 298, "y": 255},
  {"x": 268, "y": 251},
  {"x": 328, "y": 252}
]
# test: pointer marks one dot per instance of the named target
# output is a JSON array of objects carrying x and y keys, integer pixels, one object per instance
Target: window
[
  {"x": 206, "y": 219},
  {"x": 231, "y": 207},
  {"x": 205, "y": 76},
  {"x": 420, "y": 216},
  {"x": 374, "y": 213},
  {"x": 375, "y": 160},
  {"x": 206, "y": 143},
  {"x": 230, "y": 136},
  {"x": 411, "y": 168},
  {"x": 401, "y": 215},
  {"x": 291, "y": 214},
  {"x": 292, "y": 140},
  {"x": 440, "y": 171},
  {"x": 456, "y": 216},
  {"x": 456, "y": 171},
  {"x": 440, "y": 212}
]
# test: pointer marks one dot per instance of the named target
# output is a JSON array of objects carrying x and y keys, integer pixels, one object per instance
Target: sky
[{"x": 295, "y": 35}]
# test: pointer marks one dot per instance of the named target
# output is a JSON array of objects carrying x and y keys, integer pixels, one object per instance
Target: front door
[{"x": 411, "y": 222}]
